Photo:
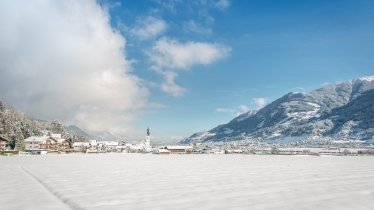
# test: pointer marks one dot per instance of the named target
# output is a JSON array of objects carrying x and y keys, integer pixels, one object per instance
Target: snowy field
[{"x": 136, "y": 181}]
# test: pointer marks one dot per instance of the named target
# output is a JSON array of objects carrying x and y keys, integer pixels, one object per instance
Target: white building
[
  {"x": 179, "y": 149},
  {"x": 81, "y": 146},
  {"x": 40, "y": 144},
  {"x": 34, "y": 142},
  {"x": 110, "y": 145}
]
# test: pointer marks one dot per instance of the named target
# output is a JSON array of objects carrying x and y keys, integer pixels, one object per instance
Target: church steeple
[{"x": 148, "y": 139}]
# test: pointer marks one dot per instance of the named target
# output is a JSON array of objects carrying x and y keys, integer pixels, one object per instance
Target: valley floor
[{"x": 145, "y": 181}]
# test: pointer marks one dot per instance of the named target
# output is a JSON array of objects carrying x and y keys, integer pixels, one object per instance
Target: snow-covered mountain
[
  {"x": 338, "y": 111},
  {"x": 105, "y": 136}
]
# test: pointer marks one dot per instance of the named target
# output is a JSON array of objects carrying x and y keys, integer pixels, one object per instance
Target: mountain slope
[
  {"x": 17, "y": 126},
  {"x": 342, "y": 110}
]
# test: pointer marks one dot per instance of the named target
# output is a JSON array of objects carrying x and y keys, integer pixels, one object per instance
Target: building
[
  {"x": 110, "y": 146},
  {"x": 49, "y": 144},
  {"x": 143, "y": 146},
  {"x": 53, "y": 142},
  {"x": 162, "y": 151},
  {"x": 3, "y": 142},
  {"x": 62, "y": 144},
  {"x": 179, "y": 149},
  {"x": 148, "y": 139},
  {"x": 39, "y": 144},
  {"x": 34, "y": 142},
  {"x": 80, "y": 146}
]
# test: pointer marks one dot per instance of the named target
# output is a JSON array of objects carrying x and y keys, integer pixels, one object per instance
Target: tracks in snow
[{"x": 71, "y": 204}]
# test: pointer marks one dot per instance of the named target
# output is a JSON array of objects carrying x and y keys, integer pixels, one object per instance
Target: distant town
[{"x": 51, "y": 143}]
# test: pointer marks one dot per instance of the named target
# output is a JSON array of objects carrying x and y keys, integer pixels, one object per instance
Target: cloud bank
[{"x": 62, "y": 60}]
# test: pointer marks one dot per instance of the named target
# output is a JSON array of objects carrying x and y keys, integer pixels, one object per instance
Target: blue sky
[
  {"x": 176, "y": 66},
  {"x": 275, "y": 47}
]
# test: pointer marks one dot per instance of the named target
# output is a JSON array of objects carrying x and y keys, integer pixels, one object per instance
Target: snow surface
[
  {"x": 306, "y": 115},
  {"x": 228, "y": 131},
  {"x": 138, "y": 181}
]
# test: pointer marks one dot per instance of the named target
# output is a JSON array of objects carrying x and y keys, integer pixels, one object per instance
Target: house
[
  {"x": 62, "y": 144},
  {"x": 179, "y": 149},
  {"x": 33, "y": 142},
  {"x": 39, "y": 144},
  {"x": 81, "y": 146},
  {"x": 3, "y": 142},
  {"x": 110, "y": 145},
  {"x": 162, "y": 151},
  {"x": 36, "y": 143},
  {"x": 94, "y": 147},
  {"x": 50, "y": 144}
]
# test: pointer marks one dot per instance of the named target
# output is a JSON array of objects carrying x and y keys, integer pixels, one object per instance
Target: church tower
[{"x": 148, "y": 139}]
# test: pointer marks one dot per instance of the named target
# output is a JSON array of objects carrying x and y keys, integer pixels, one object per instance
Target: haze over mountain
[{"x": 342, "y": 111}]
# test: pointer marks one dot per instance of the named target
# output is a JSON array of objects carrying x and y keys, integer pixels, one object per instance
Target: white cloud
[
  {"x": 169, "y": 85},
  {"x": 169, "y": 55},
  {"x": 241, "y": 109},
  {"x": 195, "y": 27},
  {"x": 62, "y": 60},
  {"x": 149, "y": 27},
  {"x": 172, "y": 54},
  {"x": 260, "y": 102},
  {"x": 168, "y": 4},
  {"x": 222, "y": 4}
]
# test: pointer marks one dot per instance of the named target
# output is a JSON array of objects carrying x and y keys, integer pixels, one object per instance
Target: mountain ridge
[{"x": 320, "y": 113}]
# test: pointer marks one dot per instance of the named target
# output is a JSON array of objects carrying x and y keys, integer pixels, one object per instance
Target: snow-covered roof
[
  {"x": 179, "y": 147},
  {"x": 110, "y": 143},
  {"x": 2, "y": 137},
  {"x": 56, "y": 135},
  {"x": 79, "y": 144},
  {"x": 36, "y": 138},
  {"x": 163, "y": 151},
  {"x": 61, "y": 140},
  {"x": 93, "y": 143}
]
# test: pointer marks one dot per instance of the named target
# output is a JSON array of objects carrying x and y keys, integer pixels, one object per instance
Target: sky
[{"x": 175, "y": 66}]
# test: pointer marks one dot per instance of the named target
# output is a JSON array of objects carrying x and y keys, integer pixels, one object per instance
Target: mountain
[
  {"x": 105, "y": 136},
  {"x": 73, "y": 129},
  {"x": 343, "y": 111}
]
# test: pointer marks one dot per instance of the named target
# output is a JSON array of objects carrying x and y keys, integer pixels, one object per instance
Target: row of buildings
[{"x": 55, "y": 143}]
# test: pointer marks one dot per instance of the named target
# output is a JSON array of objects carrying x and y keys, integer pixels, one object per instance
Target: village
[{"x": 51, "y": 143}]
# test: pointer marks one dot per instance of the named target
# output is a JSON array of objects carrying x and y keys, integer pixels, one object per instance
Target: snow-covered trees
[{"x": 16, "y": 126}]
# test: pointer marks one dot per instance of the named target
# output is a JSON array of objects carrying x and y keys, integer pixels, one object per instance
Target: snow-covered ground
[{"x": 136, "y": 181}]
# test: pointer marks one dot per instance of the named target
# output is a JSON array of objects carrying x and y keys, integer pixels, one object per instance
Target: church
[{"x": 142, "y": 146}]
